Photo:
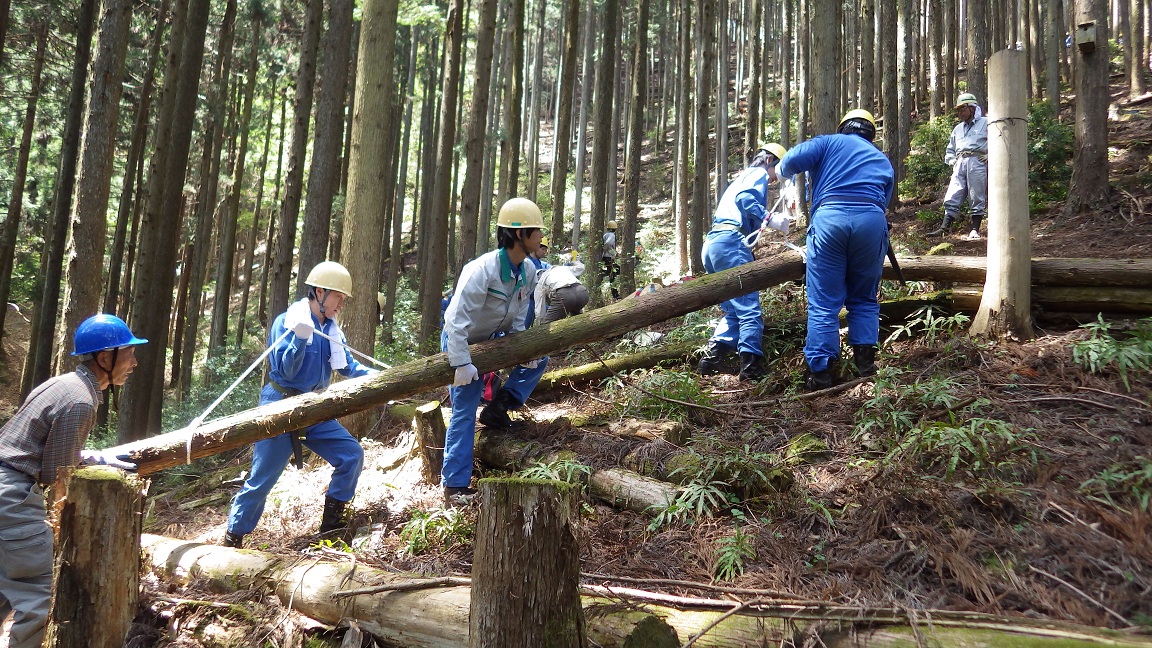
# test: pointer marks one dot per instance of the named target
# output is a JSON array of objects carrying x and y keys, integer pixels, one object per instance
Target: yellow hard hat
[
  {"x": 775, "y": 149},
  {"x": 859, "y": 113},
  {"x": 544, "y": 241},
  {"x": 966, "y": 99},
  {"x": 520, "y": 213},
  {"x": 610, "y": 225},
  {"x": 330, "y": 275}
]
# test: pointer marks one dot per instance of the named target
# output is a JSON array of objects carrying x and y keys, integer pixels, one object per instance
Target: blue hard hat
[{"x": 102, "y": 332}]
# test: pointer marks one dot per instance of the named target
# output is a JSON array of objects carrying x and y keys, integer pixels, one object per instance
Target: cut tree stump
[
  {"x": 526, "y": 568},
  {"x": 98, "y": 560},
  {"x": 430, "y": 432},
  {"x": 437, "y": 617}
]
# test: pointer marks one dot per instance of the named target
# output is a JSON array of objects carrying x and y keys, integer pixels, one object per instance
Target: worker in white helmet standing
[
  {"x": 967, "y": 154},
  {"x": 491, "y": 299}
]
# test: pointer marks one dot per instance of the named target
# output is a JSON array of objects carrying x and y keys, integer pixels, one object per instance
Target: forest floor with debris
[{"x": 1004, "y": 478}]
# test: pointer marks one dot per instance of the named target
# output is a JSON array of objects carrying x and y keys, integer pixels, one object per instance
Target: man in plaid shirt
[{"x": 44, "y": 438}]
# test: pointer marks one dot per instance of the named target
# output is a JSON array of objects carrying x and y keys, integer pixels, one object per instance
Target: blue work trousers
[
  {"x": 742, "y": 326},
  {"x": 460, "y": 438},
  {"x": 270, "y": 457},
  {"x": 846, "y": 248}
]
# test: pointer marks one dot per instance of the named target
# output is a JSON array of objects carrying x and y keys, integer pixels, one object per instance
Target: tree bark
[
  {"x": 534, "y": 105},
  {"x": 587, "y": 82},
  {"x": 562, "y": 141},
  {"x": 699, "y": 223},
  {"x": 513, "y": 96},
  {"x": 603, "y": 147},
  {"x": 634, "y": 151},
  {"x": 477, "y": 135},
  {"x": 827, "y": 54},
  {"x": 97, "y": 580},
  {"x": 977, "y": 30},
  {"x": 684, "y": 137},
  {"x": 1089, "y": 186},
  {"x": 597, "y": 370},
  {"x": 526, "y": 568},
  {"x": 324, "y": 176},
  {"x": 142, "y": 399},
  {"x": 281, "y": 270},
  {"x": 1006, "y": 309}
]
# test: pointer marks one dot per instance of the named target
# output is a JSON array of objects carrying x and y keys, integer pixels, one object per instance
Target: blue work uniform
[
  {"x": 741, "y": 211},
  {"x": 298, "y": 365},
  {"x": 491, "y": 299},
  {"x": 850, "y": 186}
]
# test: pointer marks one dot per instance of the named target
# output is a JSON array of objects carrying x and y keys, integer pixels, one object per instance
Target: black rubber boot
[
  {"x": 939, "y": 231},
  {"x": 495, "y": 414},
  {"x": 752, "y": 366},
  {"x": 234, "y": 540},
  {"x": 865, "y": 357},
  {"x": 458, "y": 496},
  {"x": 818, "y": 380},
  {"x": 333, "y": 518},
  {"x": 713, "y": 358}
]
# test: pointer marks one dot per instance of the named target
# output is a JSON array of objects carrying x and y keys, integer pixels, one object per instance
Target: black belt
[
  {"x": 849, "y": 199},
  {"x": 297, "y": 436}
]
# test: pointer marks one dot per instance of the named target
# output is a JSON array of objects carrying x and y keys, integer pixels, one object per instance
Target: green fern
[{"x": 731, "y": 553}]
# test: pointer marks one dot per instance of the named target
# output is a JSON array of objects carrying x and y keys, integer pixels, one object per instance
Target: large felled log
[
  {"x": 182, "y": 446},
  {"x": 526, "y": 569},
  {"x": 97, "y": 580},
  {"x": 1070, "y": 299},
  {"x": 438, "y": 617},
  {"x": 213, "y": 437},
  {"x": 597, "y": 370}
]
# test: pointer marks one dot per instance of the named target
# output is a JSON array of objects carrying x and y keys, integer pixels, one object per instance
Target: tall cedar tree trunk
[
  {"x": 1089, "y": 187},
  {"x": 37, "y": 367},
  {"x": 827, "y": 53},
  {"x": 977, "y": 30},
  {"x": 434, "y": 246},
  {"x": 526, "y": 574},
  {"x": 719, "y": 54},
  {"x": 208, "y": 209},
  {"x": 562, "y": 141},
  {"x": 905, "y": 66},
  {"x": 371, "y": 122},
  {"x": 787, "y": 23},
  {"x": 270, "y": 238},
  {"x": 634, "y": 151},
  {"x": 936, "y": 54},
  {"x": 587, "y": 82},
  {"x": 1053, "y": 46},
  {"x": 281, "y": 279},
  {"x": 866, "y": 97},
  {"x": 513, "y": 95},
  {"x": 1006, "y": 305},
  {"x": 1139, "y": 67},
  {"x": 396, "y": 250},
  {"x": 140, "y": 405},
  {"x": 133, "y": 167},
  {"x": 752, "y": 128},
  {"x": 246, "y": 282},
  {"x": 603, "y": 147},
  {"x": 83, "y": 276},
  {"x": 324, "y": 176},
  {"x": 477, "y": 135},
  {"x": 683, "y": 132},
  {"x": 701, "y": 203},
  {"x": 20, "y": 174},
  {"x": 888, "y": 21},
  {"x": 534, "y": 110},
  {"x": 336, "y": 239},
  {"x": 218, "y": 334},
  {"x": 803, "y": 70}
]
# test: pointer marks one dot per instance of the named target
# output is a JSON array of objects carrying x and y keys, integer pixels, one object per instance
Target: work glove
[
  {"x": 100, "y": 458},
  {"x": 465, "y": 375},
  {"x": 531, "y": 364},
  {"x": 778, "y": 222},
  {"x": 304, "y": 330}
]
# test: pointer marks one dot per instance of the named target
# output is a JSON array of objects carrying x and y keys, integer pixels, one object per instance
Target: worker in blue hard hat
[{"x": 45, "y": 437}]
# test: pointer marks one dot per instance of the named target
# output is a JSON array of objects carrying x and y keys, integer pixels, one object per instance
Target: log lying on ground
[
  {"x": 1061, "y": 299},
  {"x": 438, "y": 617},
  {"x": 349, "y": 396},
  {"x": 597, "y": 370},
  {"x": 618, "y": 486}
]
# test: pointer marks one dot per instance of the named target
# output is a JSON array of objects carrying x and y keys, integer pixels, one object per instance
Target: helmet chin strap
[
  {"x": 320, "y": 302},
  {"x": 115, "y": 356}
]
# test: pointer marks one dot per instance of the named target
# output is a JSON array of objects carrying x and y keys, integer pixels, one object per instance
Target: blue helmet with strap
[{"x": 103, "y": 332}]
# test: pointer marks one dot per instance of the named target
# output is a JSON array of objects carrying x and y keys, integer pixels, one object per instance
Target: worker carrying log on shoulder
[
  {"x": 741, "y": 211},
  {"x": 45, "y": 437},
  {"x": 491, "y": 299},
  {"x": 305, "y": 353}
]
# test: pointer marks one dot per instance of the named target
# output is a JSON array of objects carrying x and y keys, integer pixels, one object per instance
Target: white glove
[
  {"x": 303, "y": 330},
  {"x": 779, "y": 222},
  {"x": 98, "y": 458},
  {"x": 465, "y": 375},
  {"x": 531, "y": 364}
]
